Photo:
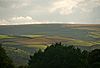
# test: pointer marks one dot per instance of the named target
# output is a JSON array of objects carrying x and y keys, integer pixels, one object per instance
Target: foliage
[
  {"x": 59, "y": 56},
  {"x": 94, "y": 58},
  {"x": 62, "y": 56},
  {"x": 23, "y": 66},
  {"x": 19, "y": 56},
  {"x": 56, "y": 56},
  {"x": 5, "y": 61}
]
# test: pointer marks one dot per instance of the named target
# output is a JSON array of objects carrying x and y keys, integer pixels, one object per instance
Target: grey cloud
[
  {"x": 39, "y": 10},
  {"x": 14, "y": 3},
  {"x": 19, "y": 3},
  {"x": 89, "y": 5}
]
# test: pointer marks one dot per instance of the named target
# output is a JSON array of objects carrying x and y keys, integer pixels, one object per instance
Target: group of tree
[
  {"x": 64, "y": 56},
  {"x": 57, "y": 56}
]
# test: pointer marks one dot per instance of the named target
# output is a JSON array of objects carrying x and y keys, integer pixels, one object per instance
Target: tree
[
  {"x": 58, "y": 56},
  {"x": 23, "y": 66},
  {"x": 94, "y": 58},
  {"x": 85, "y": 59},
  {"x": 5, "y": 61}
]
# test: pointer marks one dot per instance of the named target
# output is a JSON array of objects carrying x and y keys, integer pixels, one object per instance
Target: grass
[
  {"x": 39, "y": 40},
  {"x": 11, "y": 43},
  {"x": 97, "y": 42},
  {"x": 95, "y": 34},
  {"x": 37, "y": 46},
  {"x": 32, "y": 36},
  {"x": 59, "y": 37},
  {"x": 5, "y": 36},
  {"x": 79, "y": 42},
  {"x": 88, "y": 28}
]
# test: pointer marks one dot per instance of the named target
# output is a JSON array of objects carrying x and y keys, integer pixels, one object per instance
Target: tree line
[{"x": 57, "y": 56}]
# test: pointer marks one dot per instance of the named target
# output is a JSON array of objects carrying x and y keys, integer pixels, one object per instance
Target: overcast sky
[{"x": 49, "y": 11}]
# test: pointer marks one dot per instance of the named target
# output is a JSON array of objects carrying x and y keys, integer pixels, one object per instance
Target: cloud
[
  {"x": 89, "y": 5},
  {"x": 18, "y": 20},
  {"x": 49, "y": 11},
  {"x": 4, "y": 22},
  {"x": 66, "y": 7},
  {"x": 14, "y": 3},
  {"x": 28, "y": 20}
]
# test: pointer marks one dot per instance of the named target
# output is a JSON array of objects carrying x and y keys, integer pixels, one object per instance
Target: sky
[{"x": 16, "y": 12}]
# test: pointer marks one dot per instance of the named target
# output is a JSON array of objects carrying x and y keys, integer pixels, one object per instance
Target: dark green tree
[
  {"x": 59, "y": 56},
  {"x": 94, "y": 59},
  {"x": 5, "y": 61}
]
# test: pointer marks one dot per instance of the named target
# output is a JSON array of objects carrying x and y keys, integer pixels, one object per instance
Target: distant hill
[{"x": 68, "y": 30}]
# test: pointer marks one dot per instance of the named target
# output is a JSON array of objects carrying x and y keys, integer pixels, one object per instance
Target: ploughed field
[{"x": 21, "y": 41}]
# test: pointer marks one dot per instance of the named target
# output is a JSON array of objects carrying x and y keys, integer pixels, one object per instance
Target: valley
[{"x": 21, "y": 41}]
